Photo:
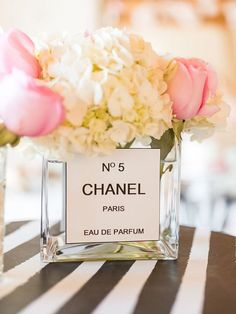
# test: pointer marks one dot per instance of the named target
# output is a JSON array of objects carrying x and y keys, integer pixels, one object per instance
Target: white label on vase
[{"x": 114, "y": 198}]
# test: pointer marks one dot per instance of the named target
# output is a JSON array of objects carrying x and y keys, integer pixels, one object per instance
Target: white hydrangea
[
  {"x": 201, "y": 128},
  {"x": 113, "y": 87}
]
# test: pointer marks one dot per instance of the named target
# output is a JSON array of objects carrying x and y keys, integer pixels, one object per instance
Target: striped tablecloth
[{"x": 203, "y": 280}]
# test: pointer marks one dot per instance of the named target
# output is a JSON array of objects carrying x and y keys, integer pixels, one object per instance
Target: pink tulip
[
  {"x": 27, "y": 108},
  {"x": 191, "y": 86},
  {"x": 17, "y": 51}
]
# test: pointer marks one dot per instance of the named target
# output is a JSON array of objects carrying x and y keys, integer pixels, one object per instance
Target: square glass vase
[
  {"x": 54, "y": 247},
  {"x": 3, "y": 156}
]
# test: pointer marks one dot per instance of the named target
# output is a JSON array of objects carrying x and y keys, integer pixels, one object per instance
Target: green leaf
[
  {"x": 165, "y": 143},
  {"x": 178, "y": 126},
  {"x": 7, "y": 137}
]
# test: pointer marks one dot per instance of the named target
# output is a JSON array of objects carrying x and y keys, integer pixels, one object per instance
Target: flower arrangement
[{"x": 93, "y": 93}]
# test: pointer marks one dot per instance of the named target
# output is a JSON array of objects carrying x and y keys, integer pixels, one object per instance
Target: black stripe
[
  {"x": 220, "y": 292},
  {"x": 13, "y": 226},
  {"x": 159, "y": 291},
  {"x": 40, "y": 283},
  {"x": 21, "y": 253},
  {"x": 96, "y": 289},
  {"x": 24, "y": 251}
]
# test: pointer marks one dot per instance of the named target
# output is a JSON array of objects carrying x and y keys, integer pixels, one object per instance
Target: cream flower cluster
[
  {"x": 114, "y": 91},
  {"x": 200, "y": 127}
]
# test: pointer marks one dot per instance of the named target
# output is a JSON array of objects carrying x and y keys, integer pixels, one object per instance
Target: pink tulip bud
[
  {"x": 27, "y": 108},
  {"x": 189, "y": 89},
  {"x": 17, "y": 52}
]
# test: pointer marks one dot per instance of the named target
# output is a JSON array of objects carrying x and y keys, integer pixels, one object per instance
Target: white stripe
[
  {"x": 19, "y": 275},
  {"x": 52, "y": 300},
  {"x": 191, "y": 291},
  {"x": 123, "y": 298},
  {"x": 21, "y": 235}
]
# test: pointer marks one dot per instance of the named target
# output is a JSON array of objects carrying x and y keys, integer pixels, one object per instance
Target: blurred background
[{"x": 199, "y": 28}]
